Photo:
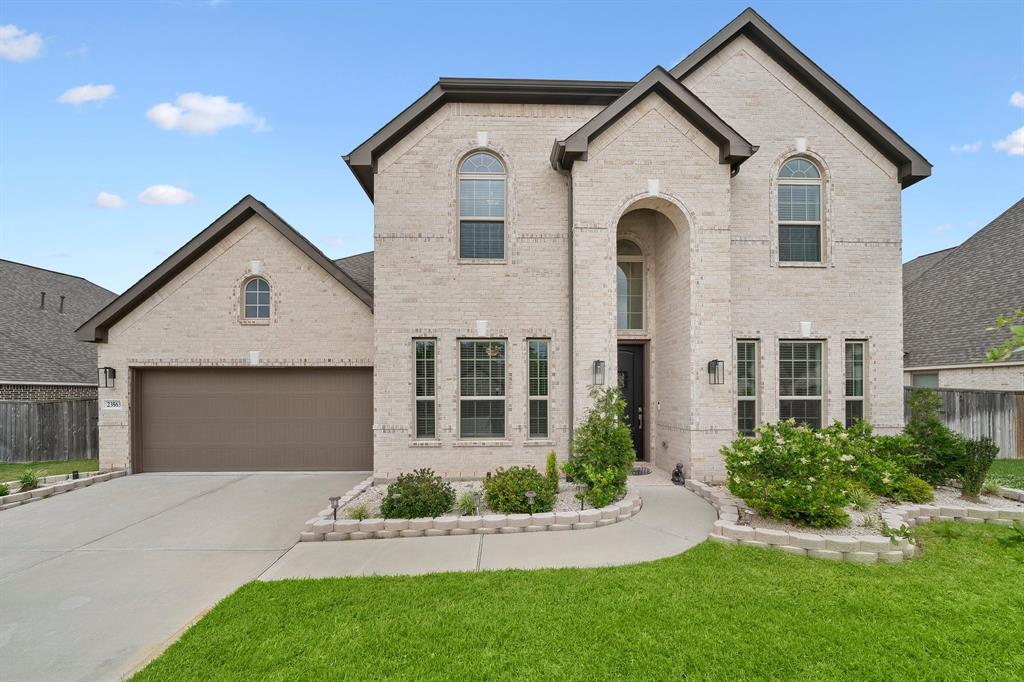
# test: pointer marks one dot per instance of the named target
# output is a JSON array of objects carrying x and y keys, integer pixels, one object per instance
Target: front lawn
[
  {"x": 10, "y": 472},
  {"x": 1008, "y": 472},
  {"x": 713, "y": 613}
]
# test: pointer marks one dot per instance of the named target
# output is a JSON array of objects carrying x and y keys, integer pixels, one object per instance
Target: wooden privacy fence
[
  {"x": 42, "y": 431},
  {"x": 996, "y": 414}
]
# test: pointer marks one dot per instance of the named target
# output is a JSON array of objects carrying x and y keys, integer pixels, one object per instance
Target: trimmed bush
[
  {"x": 419, "y": 494},
  {"x": 978, "y": 457},
  {"x": 939, "y": 451},
  {"x": 603, "y": 452},
  {"x": 551, "y": 473},
  {"x": 913, "y": 489},
  {"x": 506, "y": 491}
]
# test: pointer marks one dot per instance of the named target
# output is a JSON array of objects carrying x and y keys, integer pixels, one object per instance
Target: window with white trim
[
  {"x": 800, "y": 367},
  {"x": 482, "y": 388},
  {"x": 257, "y": 299},
  {"x": 629, "y": 284},
  {"x": 854, "y": 382},
  {"x": 538, "y": 390},
  {"x": 746, "y": 387},
  {"x": 799, "y": 212},
  {"x": 482, "y": 207},
  {"x": 426, "y": 388}
]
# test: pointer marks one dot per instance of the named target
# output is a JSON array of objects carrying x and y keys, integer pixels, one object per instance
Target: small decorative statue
[{"x": 677, "y": 475}]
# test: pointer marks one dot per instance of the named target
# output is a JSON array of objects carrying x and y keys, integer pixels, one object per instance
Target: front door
[{"x": 631, "y": 383}]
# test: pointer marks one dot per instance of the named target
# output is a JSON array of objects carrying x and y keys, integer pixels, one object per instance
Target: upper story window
[
  {"x": 799, "y": 212},
  {"x": 482, "y": 207},
  {"x": 257, "y": 299},
  {"x": 630, "y": 285}
]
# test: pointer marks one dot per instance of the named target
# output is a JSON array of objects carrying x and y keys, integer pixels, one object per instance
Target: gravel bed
[
  {"x": 374, "y": 495},
  {"x": 869, "y": 523}
]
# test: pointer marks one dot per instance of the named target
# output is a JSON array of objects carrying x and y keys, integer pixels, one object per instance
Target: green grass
[
  {"x": 713, "y": 613},
  {"x": 1008, "y": 472},
  {"x": 10, "y": 472}
]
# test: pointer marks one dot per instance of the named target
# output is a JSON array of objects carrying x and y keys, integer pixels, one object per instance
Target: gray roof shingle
[
  {"x": 948, "y": 307},
  {"x": 360, "y": 268},
  {"x": 913, "y": 269},
  {"x": 38, "y": 343}
]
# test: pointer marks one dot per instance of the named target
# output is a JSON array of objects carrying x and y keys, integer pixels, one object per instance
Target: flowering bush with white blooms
[{"x": 793, "y": 472}]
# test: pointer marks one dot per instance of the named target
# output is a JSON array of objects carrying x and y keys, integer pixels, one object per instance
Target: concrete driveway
[{"x": 95, "y": 582}]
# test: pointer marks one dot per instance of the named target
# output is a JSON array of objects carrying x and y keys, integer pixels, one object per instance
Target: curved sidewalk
[{"x": 671, "y": 521}]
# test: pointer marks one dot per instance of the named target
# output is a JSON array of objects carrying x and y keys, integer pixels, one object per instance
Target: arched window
[
  {"x": 630, "y": 285},
  {"x": 799, "y": 211},
  {"x": 257, "y": 299},
  {"x": 482, "y": 207}
]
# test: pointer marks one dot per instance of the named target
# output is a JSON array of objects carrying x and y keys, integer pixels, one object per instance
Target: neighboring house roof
[
  {"x": 912, "y": 165},
  {"x": 95, "y": 329},
  {"x": 948, "y": 308},
  {"x": 913, "y": 269},
  {"x": 38, "y": 340},
  {"x": 733, "y": 148},
  {"x": 360, "y": 268},
  {"x": 362, "y": 161}
]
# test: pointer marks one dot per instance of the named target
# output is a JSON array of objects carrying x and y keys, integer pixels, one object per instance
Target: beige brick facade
[{"x": 195, "y": 320}]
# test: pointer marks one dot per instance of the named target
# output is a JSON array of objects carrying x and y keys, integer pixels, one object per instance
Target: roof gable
[
  {"x": 732, "y": 147},
  {"x": 912, "y": 166},
  {"x": 95, "y": 329},
  {"x": 948, "y": 309}
]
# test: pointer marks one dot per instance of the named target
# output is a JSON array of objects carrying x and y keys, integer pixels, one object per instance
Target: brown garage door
[{"x": 208, "y": 419}]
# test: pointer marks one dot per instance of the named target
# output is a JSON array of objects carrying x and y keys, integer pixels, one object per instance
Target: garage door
[{"x": 285, "y": 419}]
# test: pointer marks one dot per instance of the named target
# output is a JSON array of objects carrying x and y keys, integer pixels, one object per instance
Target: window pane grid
[
  {"x": 800, "y": 376},
  {"x": 800, "y": 243},
  {"x": 854, "y": 362},
  {"x": 426, "y": 386},
  {"x": 257, "y": 299},
  {"x": 538, "y": 388},
  {"x": 482, "y": 239},
  {"x": 481, "y": 380},
  {"x": 746, "y": 387},
  {"x": 630, "y": 295}
]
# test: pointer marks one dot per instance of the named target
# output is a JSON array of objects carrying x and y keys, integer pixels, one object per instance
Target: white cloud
[
  {"x": 108, "y": 200},
  {"x": 18, "y": 46},
  {"x": 86, "y": 93},
  {"x": 198, "y": 114},
  {"x": 79, "y": 51},
  {"x": 965, "y": 148},
  {"x": 1013, "y": 144},
  {"x": 165, "y": 195},
  {"x": 336, "y": 242},
  {"x": 1017, "y": 99},
  {"x": 945, "y": 227}
]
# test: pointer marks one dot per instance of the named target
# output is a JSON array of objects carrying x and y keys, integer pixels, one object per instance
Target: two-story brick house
[{"x": 721, "y": 239}]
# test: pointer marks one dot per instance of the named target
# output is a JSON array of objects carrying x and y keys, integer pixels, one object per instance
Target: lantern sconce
[
  {"x": 716, "y": 372},
  {"x": 106, "y": 377},
  {"x": 598, "y": 372}
]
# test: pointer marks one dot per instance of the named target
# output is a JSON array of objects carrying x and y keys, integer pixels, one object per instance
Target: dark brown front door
[
  {"x": 287, "y": 419},
  {"x": 631, "y": 382}
]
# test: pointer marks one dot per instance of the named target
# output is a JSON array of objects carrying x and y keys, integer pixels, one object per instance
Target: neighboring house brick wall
[
  {"x": 45, "y": 392},
  {"x": 194, "y": 320},
  {"x": 994, "y": 378}
]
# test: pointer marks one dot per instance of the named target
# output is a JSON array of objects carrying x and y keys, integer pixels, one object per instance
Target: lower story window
[
  {"x": 800, "y": 382},
  {"x": 426, "y": 392},
  {"x": 482, "y": 389},
  {"x": 746, "y": 387},
  {"x": 854, "y": 362},
  {"x": 538, "y": 388}
]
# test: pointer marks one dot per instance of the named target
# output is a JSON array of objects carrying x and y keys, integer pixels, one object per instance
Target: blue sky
[{"x": 286, "y": 88}]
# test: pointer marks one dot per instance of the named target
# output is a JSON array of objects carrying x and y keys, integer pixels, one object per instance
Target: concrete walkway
[{"x": 672, "y": 520}]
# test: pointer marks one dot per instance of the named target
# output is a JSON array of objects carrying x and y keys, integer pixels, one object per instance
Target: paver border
[
  {"x": 861, "y": 549},
  {"x": 323, "y": 526},
  {"x": 55, "y": 485}
]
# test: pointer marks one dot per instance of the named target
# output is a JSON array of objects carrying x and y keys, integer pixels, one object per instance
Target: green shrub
[
  {"x": 860, "y": 498},
  {"x": 939, "y": 451},
  {"x": 466, "y": 504},
  {"x": 900, "y": 450},
  {"x": 29, "y": 480},
  {"x": 551, "y": 473},
  {"x": 603, "y": 452},
  {"x": 912, "y": 489},
  {"x": 789, "y": 472},
  {"x": 990, "y": 487},
  {"x": 419, "y": 494},
  {"x": 4, "y": 490},
  {"x": 978, "y": 457},
  {"x": 359, "y": 512},
  {"x": 506, "y": 491}
]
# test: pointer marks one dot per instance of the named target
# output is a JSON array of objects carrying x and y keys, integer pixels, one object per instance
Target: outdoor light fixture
[
  {"x": 106, "y": 377},
  {"x": 334, "y": 506},
  {"x": 716, "y": 372},
  {"x": 599, "y": 372},
  {"x": 530, "y": 496},
  {"x": 476, "y": 501}
]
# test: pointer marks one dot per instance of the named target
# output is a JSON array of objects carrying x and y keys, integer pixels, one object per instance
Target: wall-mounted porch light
[
  {"x": 106, "y": 377},
  {"x": 716, "y": 372},
  {"x": 598, "y": 372}
]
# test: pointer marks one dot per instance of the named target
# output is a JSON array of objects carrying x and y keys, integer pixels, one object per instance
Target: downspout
[{"x": 572, "y": 301}]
